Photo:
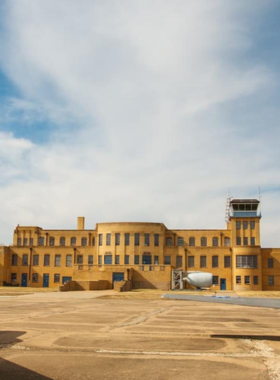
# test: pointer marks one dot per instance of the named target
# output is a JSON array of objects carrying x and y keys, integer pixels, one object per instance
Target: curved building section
[{"x": 144, "y": 255}]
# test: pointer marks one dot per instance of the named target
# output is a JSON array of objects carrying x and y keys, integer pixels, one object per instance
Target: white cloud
[{"x": 146, "y": 83}]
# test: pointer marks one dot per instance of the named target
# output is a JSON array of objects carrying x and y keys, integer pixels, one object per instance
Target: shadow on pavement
[{"x": 253, "y": 337}]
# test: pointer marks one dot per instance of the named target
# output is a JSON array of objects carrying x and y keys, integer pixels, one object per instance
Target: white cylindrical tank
[{"x": 199, "y": 279}]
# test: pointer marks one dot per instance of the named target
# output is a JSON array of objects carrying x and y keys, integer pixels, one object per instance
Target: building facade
[{"x": 145, "y": 254}]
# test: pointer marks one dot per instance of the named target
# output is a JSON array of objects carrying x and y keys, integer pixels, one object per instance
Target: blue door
[
  {"x": 223, "y": 284},
  {"x": 118, "y": 276},
  {"x": 46, "y": 280},
  {"x": 66, "y": 279},
  {"x": 24, "y": 279}
]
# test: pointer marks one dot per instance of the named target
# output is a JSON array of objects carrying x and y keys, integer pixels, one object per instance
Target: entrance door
[
  {"x": 46, "y": 280},
  {"x": 24, "y": 279},
  {"x": 223, "y": 284},
  {"x": 118, "y": 276},
  {"x": 66, "y": 279}
]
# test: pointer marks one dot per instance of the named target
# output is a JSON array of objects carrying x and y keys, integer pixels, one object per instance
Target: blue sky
[{"x": 138, "y": 110}]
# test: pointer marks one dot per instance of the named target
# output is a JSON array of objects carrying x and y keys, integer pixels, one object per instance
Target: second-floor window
[
  {"x": 68, "y": 260},
  {"x": 169, "y": 241},
  {"x": 215, "y": 242},
  {"x": 191, "y": 241},
  {"x": 41, "y": 240},
  {"x": 62, "y": 241},
  {"x": 117, "y": 238},
  {"x": 80, "y": 259},
  {"x": 180, "y": 241},
  {"x": 215, "y": 261},
  {"x": 52, "y": 241},
  {"x": 73, "y": 241},
  {"x": 203, "y": 262},
  {"x": 57, "y": 260},
  {"x": 36, "y": 260},
  {"x": 108, "y": 239},
  {"x": 126, "y": 239},
  {"x": 84, "y": 242},
  {"x": 147, "y": 239},
  {"x": 156, "y": 240},
  {"x": 136, "y": 239},
  {"x": 14, "y": 259},
  {"x": 46, "y": 260},
  {"x": 100, "y": 239},
  {"x": 24, "y": 260}
]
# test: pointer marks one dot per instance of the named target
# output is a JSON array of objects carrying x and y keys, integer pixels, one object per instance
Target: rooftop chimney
[{"x": 80, "y": 223}]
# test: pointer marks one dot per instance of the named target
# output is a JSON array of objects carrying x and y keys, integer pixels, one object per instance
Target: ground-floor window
[
  {"x": 256, "y": 280},
  {"x": 136, "y": 259},
  {"x": 13, "y": 277},
  {"x": 147, "y": 259},
  {"x": 56, "y": 278},
  {"x": 126, "y": 259},
  {"x": 215, "y": 280},
  {"x": 203, "y": 262},
  {"x": 247, "y": 280},
  {"x": 179, "y": 261},
  {"x": 117, "y": 259},
  {"x": 190, "y": 261},
  {"x": 270, "y": 280},
  {"x": 167, "y": 260},
  {"x": 35, "y": 277},
  {"x": 108, "y": 259},
  {"x": 238, "y": 279}
]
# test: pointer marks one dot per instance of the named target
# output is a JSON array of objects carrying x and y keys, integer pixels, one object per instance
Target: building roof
[{"x": 244, "y": 201}]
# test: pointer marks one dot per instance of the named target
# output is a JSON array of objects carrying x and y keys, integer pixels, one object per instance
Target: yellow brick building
[{"x": 144, "y": 254}]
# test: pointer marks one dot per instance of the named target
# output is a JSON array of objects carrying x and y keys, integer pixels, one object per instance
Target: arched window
[
  {"x": 215, "y": 241},
  {"x": 73, "y": 241},
  {"x": 52, "y": 241},
  {"x": 62, "y": 241},
  {"x": 192, "y": 241},
  {"x": 84, "y": 241},
  {"x": 203, "y": 242},
  {"x": 227, "y": 241}
]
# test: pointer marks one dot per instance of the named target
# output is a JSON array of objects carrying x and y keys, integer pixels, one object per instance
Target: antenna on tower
[
  {"x": 227, "y": 216},
  {"x": 260, "y": 197}
]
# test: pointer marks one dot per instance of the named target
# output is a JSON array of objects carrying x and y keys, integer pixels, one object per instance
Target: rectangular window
[
  {"x": 136, "y": 259},
  {"x": 14, "y": 259},
  {"x": 215, "y": 261},
  {"x": 41, "y": 240},
  {"x": 117, "y": 259},
  {"x": 203, "y": 262},
  {"x": 238, "y": 240},
  {"x": 35, "y": 277},
  {"x": 169, "y": 241},
  {"x": 147, "y": 239},
  {"x": 238, "y": 225},
  {"x": 180, "y": 242},
  {"x": 90, "y": 259},
  {"x": 247, "y": 280},
  {"x": 57, "y": 260},
  {"x": 84, "y": 242},
  {"x": 151, "y": 268},
  {"x": 256, "y": 280},
  {"x": 245, "y": 225},
  {"x": 238, "y": 280},
  {"x": 156, "y": 261},
  {"x": 245, "y": 241},
  {"x": 147, "y": 258},
  {"x": 99, "y": 260},
  {"x": 126, "y": 259},
  {"x": 108, "y": 259},
  {"x": 18, "y": 242},
  {"x": 243, "y": 261},
  {"x": 215, "y": 280},
  {"x": 100, "y": 239},
  {"x": 156, "y": 240},
  {"x": 93, "y": 241},
  {"x": 253, "y": 241},
  {"x": 179, "y": 261},
  {"x": 270, "y": 280},
  {"x": 227, "y": 261},
  {"x": 252, "y": 224},
  {"x": 52, "y": 241},
  {"x": 167, "y": 260},
  {"x": 136, "y": 239},
  {"x": 56, "y": 278},
  {"x": 108, "y": 239},
  {"x": 13, "y": 277},
  {"x": 46, "y": 260},
  {"x": 190, "y": 261},
  {"x": 25, "y": 242},
  {"x": 270, "y": 263},
  {"x": 31, "y": 242},
  {"x": 126, "y": 239},
  {"x": 117, "y": 239},
  {"x": 80, "y": 259},
  {"x": 24, "y": 260},
  {"x": 68, "y": 260},
  {"x": 35, "y": 260}
]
